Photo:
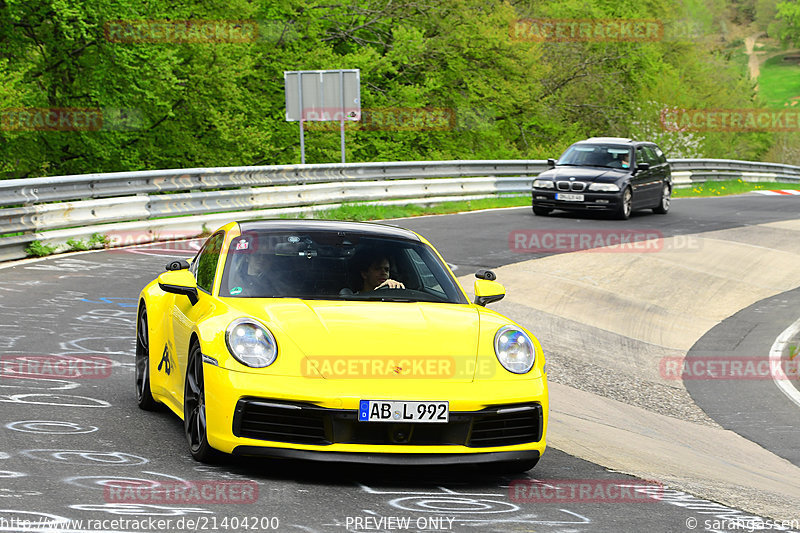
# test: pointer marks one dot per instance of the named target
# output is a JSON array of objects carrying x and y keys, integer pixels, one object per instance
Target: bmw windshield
[
  {"x": 596, "y": 155},
  {"x": 335, "y": 265}
]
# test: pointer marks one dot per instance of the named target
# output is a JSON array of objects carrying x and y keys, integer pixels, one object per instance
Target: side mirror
[
  {"x": 487, "y": 292},
  {"x": 177, "y": 264},
  {"x": 485, "y": 273},
  {"x": 179, "y": 282},
  {"x": 643, "y": 166},
  {"x": 551, "y": 163}
]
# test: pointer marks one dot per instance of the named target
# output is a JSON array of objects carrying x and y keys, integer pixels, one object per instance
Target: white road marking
[
  {"x": 775, "y": 355},
  {"x": 779, "y": 192}
]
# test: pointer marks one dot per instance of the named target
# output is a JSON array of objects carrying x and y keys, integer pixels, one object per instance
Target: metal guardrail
[
  {"x": 144, "y": 206},
  {"x": 686, "y": 172}
]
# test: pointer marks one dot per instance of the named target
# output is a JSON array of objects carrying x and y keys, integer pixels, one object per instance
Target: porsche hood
[{"x": 345, "y": 339}]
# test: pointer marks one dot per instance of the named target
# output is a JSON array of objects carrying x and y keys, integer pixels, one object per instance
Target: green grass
[
  {"x": 779, "y": 82},
  {"x": 381, "y": 212},
  {"x": 723, "y": 188},
  {"x": 385, "y": 212}
]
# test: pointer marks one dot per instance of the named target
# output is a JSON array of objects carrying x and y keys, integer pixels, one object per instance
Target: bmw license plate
[
  {"x": 569, "y": 197},
  {"x": 388, "y": 411}
]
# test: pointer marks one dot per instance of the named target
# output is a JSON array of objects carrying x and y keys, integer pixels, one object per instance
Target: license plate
[
  {"x": 569, "y": 197},
  {"x": 388, "y": 411}
]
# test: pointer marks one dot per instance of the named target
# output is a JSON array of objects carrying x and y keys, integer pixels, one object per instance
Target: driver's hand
[{"x": 392, "y": 284}]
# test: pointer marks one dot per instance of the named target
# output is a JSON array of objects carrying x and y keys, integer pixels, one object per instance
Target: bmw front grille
[{"x": 570, "y": 185}]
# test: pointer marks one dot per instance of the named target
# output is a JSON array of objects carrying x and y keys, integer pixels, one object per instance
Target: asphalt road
[
  {"x": 64, "y": 443},
  {"x": 749, "y": 404},
  {"x": 481, "y": 239}
]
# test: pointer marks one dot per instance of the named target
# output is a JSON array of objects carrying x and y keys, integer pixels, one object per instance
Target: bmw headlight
[
  {"x": 543, "y": 184},
  {"x": 605, "y": 187},
  {"x": 250, "y": 343},
  {"x": 514, "y": 349}
]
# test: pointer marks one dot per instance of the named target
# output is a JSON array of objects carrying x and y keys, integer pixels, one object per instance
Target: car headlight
[
  {"x": 543, "y": 184},
  {"x": 606, "y": 187},
  {"x": 250, "y": 343},
  {"x": 514, "y": 349}
]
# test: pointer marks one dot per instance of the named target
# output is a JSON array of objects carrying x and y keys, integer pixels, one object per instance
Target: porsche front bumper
[{"x": 492, "y": 420}]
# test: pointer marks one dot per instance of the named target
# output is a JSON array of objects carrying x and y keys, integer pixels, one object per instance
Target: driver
[
  {"x": 371, "y": 271},
  {"x": 376, "y": 275}
]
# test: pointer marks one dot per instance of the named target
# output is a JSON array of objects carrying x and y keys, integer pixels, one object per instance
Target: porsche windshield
[
  {"x": 596, "y": 155},
  {"x": 335, "y": 265}
]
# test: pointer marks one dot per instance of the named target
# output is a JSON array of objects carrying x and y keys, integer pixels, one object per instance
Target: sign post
[{"x": 322, "y": 95}]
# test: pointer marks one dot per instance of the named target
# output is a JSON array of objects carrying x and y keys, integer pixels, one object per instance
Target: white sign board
[{"x": 320, "y": 95}]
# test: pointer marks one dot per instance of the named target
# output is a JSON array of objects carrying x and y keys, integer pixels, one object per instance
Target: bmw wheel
[
  {"x": 663, "y": 206},
  {"x": 541, "y": 211},
  {"x": 625, "y": 205},
  {"x": 194, "y": 409},
  {"x": 144, "y": 398}
]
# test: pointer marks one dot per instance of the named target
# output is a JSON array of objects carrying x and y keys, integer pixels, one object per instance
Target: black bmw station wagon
[{"x": 605, "y": 173}]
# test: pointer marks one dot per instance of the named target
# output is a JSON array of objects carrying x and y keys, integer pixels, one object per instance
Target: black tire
[
  {"x": 541, "y": 211},
  {"x": 144, "y": 397},
  {"x": 194, "y": 409},
  {"x": 625, "y": 206},
  {"x": 663, "y": 204}
]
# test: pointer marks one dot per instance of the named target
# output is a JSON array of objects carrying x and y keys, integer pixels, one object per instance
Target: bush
[
  {"x": 77, "y": 245},
  {"x": 39, "y": 249}
]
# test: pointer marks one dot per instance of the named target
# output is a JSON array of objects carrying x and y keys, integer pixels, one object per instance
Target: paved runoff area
[{"x": 628, "y": 314}]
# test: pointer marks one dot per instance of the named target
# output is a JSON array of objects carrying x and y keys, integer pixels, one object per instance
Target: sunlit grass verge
[
  {"x": 383, "y": 212},
  {"x": 723, "y": 188}
]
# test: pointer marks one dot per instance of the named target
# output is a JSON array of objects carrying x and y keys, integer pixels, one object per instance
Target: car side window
[
  {"x": 652, "y": 157},
  {"x": 641, "y": 155},
  {"x": 206, "y": 262},
  {"x": 660, "y": 155},
  {"x": 426, "y": 277}
]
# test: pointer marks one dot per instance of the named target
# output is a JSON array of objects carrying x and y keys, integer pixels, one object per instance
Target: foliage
[
  {"x": 789, "y": 13},
  {"x": 218, "y": 103},
  {"x": 77, "y": 245},
  {"x": 39, "y": 249},
  {"x": 366, "y": 211},
  {"x": 98, "y": 239}
]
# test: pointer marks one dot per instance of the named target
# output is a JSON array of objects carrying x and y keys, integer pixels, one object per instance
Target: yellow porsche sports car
[{"x": 338, "y": 341}]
